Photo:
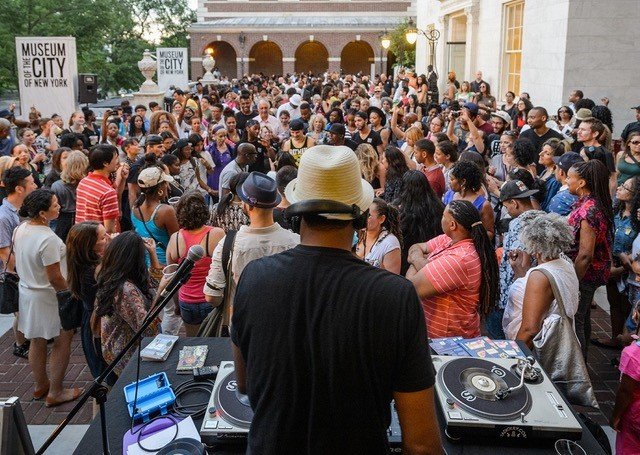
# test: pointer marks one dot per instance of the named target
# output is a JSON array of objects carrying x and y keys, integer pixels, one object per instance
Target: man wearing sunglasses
[{"x": 247, "y": 155}]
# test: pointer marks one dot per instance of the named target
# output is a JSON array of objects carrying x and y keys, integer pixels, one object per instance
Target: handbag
[
  {"x": 70, "y": 310},
  {"x": 216, "y": 321},
  {"x": 558, "y": 351},
  {"x": 9, "y": 294}
]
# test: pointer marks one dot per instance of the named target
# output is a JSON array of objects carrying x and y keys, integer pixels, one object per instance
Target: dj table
[{"x": 118, "y": 420}]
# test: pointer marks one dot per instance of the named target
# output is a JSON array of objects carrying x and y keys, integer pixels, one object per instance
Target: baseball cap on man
[
  {"x": 295, "y": 100},
  {"x": 6, "y": 113},
  {"x": 515, "y": 189},
  {"x": 583, "y": 113},
  {"x": 338, "y": 128},
  {"x": 502, "y": 115},
  {"x": 637, "y": 108},
  {"x": 568, "y": 159},
  {"x": 259, "y": 190},
  {"x": 153, "y": 139},
  {"x": 472, "y": 107},
  {"x": 330, "y": 173},
  {"x": 296, "y": 125},
  {"x": 251, "y": 122},
  {"x": 152, "y": 176}
]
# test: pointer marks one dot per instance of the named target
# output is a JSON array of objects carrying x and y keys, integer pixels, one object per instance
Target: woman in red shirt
[
  {"x": 456, "y": 273},
  {"x": 192, "y": 213}
]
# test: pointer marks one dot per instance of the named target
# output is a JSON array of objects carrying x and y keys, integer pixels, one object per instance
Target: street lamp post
[
  {"x": 242, "y": 39},
  {"x": 432, "y": 35},
  {"x": 385, "y": 41}
]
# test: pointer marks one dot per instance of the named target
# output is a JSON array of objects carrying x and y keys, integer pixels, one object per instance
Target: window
[{"x": 512, "y": 46}]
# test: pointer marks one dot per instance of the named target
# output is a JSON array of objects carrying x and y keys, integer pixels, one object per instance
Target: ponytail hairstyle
[
  {"x": 596, "y": 177},
  {"x": 391, "y": 217},
  {"x": 468, "y": 217},
  {"x": 234, "y": 181}
]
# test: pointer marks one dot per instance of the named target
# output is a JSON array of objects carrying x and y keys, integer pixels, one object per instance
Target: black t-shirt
[
  {"x": 327, "y": 339},
  {"x": 134, "y": 170},
  {"x": 373, "y": 139},
  {"x": 241, "y": 119},
  {"x": 537, "y": 141},
  {"x": 261, "y": 164}
]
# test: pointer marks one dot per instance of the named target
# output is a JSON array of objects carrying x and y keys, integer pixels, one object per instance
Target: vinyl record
[
  {"x": 473, "y": 384},
  {"x": 234, "y": 407},
  {"x": 183, "y": 446}
]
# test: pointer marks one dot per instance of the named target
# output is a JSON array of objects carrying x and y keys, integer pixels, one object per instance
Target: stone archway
[
  {"x": 312, "y": 56},
  {"x": 225, "y": 57},
  {"x": 265, "y": 57},
  {"x": 356, "y": 56}
]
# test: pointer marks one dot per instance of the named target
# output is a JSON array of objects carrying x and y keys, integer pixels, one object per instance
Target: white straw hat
[{"x": 330, "y": 173}]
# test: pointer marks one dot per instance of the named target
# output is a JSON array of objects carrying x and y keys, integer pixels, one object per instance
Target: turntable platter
[
  {"x": 233, "y": 406},
  {"x": 474, "y": 382}
]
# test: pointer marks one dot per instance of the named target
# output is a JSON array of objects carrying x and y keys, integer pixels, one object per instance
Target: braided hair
[
  {"x": 468, "y": 217},
  {"x": 596, "y": 176},
  {"x": 392, "y": 217}
]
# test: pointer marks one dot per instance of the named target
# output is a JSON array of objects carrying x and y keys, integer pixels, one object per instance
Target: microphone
[{"x": 195, "y": 253}]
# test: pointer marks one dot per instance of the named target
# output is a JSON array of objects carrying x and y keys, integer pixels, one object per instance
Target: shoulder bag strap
[
  {"x": 144, "y": 223},
  {"x": 206, "y": 243},
  {"x": 6, "y": 263},
  {"x": 227, "y": 252},
  {"x": 556, "y": 291}
]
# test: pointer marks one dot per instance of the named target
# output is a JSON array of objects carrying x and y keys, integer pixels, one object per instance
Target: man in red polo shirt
[
  {"x": 97, "y": 197},
  {"x": 424, "y": 151}
]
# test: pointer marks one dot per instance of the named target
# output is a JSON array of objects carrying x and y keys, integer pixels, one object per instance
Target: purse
[
  {"x": 216, "y": 321},
  {"x": 9, "y": 294},
  {"x": 70, "y": 310},
  {"x": 558, "y": 351}
]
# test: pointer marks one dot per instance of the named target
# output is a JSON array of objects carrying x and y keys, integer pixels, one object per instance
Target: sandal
[
  {"x": 50, "y": 403},
  {"x": 41, "y": 393},
  {"x": 21, "y": 351}
]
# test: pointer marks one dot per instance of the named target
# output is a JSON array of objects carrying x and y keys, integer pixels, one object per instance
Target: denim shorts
[{"x": 194, "y": 313}]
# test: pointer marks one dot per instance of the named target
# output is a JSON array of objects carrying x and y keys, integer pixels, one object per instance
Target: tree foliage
[
  {"x": 110, "y": 35},
  {"x": 405, "y": 53}
]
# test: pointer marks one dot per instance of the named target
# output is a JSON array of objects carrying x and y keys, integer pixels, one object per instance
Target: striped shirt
[
  {"x": 96, "y": 199},
  {"x": 455, "y": 273}
]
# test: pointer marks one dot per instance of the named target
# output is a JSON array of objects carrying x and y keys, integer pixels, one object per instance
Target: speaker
[{"x": 87, "y": 88}]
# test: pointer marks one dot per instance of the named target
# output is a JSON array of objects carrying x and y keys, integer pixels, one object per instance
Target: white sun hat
[{"x": 330, "y": 173}]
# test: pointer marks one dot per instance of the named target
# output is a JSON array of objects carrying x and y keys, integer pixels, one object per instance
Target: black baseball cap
[
  {"x": 296, "y": 125},
  {"x": 153, "y": 139},
  {"x": 338, "y": 128},
  {"x": 515, "y": 189},
  {"x": 637, "y": 108},
  {"x": 567, "y": 159},
  {"x": 251, "y": 122}
]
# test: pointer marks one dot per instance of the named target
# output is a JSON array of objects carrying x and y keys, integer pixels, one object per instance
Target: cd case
[
  {"x": 158, "y": 350},
  {"x": 191, "y": 357},
  {"x": 480, "y": 347}
]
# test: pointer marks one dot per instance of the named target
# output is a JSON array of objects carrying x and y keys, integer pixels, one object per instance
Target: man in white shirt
[
  {"x": 293, "y": 107},
  {"x": 263, "y": 237},
  {"x": 264, "y": 118}
]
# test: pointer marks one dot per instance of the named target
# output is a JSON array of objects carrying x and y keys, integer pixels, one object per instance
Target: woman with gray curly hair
[{"x": 531, "y": 300}]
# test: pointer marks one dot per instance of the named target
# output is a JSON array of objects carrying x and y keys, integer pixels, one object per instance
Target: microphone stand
[{"x": 98, "y": 390}]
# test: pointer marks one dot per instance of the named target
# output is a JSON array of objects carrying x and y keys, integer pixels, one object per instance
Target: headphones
[{"x": 293, "y": 214}]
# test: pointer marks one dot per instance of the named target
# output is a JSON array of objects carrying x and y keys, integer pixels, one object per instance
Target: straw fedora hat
[{"x": 330, "y": 173}]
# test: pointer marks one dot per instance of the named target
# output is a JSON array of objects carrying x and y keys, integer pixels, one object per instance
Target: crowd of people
[{"x": 472, "y": 198}]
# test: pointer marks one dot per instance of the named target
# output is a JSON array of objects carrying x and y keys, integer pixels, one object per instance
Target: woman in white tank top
[{"x": 531, "y": 299}]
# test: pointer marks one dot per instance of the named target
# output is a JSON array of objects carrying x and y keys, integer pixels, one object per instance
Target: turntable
[
  {"x": 229, "y": 413},
  {"x": 505, "y": 399}
]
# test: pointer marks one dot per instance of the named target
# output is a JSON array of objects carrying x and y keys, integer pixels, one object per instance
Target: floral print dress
[
  {"x": 129, "y": 312},
  {"x": 586, "y": 209}
]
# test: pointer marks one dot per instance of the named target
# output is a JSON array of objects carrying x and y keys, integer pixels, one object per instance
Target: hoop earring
[{"x": 160, "y": 193}]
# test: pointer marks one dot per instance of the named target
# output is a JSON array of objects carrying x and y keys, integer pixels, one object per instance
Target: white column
[{"x": 470, "y": 49}]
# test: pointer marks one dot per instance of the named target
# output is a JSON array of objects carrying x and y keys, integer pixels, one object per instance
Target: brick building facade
[{"x": 279, "y": 37}]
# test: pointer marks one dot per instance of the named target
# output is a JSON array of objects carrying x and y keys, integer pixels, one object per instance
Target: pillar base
[{"x": 146, "y": 98}]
